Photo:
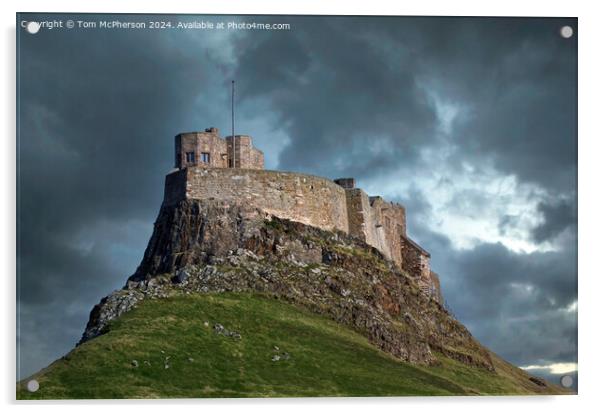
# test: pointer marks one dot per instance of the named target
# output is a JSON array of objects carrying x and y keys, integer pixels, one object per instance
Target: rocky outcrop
[
  {"x": 212, "y": 246},
  {"x": 108, "y": 309}
]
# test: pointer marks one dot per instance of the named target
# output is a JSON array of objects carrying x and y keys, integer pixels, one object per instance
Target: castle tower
[
  {"x": 242, "y": 154},
  {"x": 208, "y": 149}
]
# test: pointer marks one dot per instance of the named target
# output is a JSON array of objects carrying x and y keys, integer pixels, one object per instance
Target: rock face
[
  {"x": 213, "y": 246},
  {"x": 109, "y": 308}
]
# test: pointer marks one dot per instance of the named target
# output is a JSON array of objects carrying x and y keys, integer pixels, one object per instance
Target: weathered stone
[
  {"x": 180, "y": 277},
  {"x": 220, "y": 329},
  {"x": 303, "y": 198},
  {"x": 108, "y": 309},
  {"x": 208, "y": 149}
]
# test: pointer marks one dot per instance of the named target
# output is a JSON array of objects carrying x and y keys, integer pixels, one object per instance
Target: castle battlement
[{"x": 209, "y": 167}]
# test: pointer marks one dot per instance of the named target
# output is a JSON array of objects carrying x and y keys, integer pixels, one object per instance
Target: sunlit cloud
[
  {"x": 472, "y": 204},
  {"x": 571, "y": 308},
  {"x": 554, "y": 368}
]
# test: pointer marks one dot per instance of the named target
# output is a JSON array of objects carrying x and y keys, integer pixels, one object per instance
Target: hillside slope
[
  {"x": 175, "y": 347},
  {"x": 351, "y": 321}
]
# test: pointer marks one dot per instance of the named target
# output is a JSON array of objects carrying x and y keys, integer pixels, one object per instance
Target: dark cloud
[
  {"x": 517, "y": 304},
  {"x": 347, "y": 106},
  {"x": 558, "y": 216},
  {"x": 521, "y": 98},
  {"x": 358, "y": 91},
  {"x": 98, "y": 112},
  {"x": 386, "y": 100}
]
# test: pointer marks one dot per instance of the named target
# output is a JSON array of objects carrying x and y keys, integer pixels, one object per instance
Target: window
[
  {"x": 189, "y": 157},
  {"x": 204, "y": 157}
]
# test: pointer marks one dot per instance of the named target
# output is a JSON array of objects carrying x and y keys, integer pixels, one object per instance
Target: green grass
[{"x": 326, "y": 359}]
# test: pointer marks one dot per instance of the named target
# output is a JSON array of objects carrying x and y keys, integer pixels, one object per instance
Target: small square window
[
  {"x": 189, "y": 157},
  {"x": 205, "y": 157}
]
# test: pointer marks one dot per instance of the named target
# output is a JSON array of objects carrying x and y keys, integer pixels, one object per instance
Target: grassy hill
[{"x": 171, "y": 348}]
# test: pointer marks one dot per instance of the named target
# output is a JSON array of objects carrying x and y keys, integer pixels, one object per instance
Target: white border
[{"x": 590, "y": 70}]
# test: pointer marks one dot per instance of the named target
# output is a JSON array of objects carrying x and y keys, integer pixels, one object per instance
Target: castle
[{"x": 231, "y": 169}]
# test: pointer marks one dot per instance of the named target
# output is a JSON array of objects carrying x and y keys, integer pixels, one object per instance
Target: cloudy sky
[{"x": 470, "y": 123}]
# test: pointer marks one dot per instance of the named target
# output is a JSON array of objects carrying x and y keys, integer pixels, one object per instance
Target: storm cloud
[{"x": 469, "y": 122}]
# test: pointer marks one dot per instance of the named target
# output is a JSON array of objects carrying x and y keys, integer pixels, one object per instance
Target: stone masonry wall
[
  {"x": 175, "y": 187},
  {"x": 198, "y": 143},
  {"x": 415, "y": 260},
  {"x": 222, "y": 154},
  {"x": 243, "y": 155},
  {"x": 308, "y": 199},
  {"x": 377, "y": 222},
  {"x": 362, "y": 222},
  {"x": 390, "y": 221}
]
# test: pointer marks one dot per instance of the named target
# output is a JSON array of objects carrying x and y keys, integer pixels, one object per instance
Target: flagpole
[{"x": 233, "y": 136}]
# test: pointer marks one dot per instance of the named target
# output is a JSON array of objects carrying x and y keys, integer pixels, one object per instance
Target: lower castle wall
[
  {"x": 415, "y": 261},
  {"x": 362, "y": 222},
  {"x": 390, "y": 222},
  {"x": 308, "y": 199},
  {"x": 175, "y": 187},
  {"x": 377, "y": 222}
]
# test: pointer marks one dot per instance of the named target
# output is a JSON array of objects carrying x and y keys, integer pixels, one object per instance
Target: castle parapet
[{"x": 308, "y": 199}]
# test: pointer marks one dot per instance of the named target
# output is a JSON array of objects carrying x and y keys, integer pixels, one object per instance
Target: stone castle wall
[
  {"x": 308, "y": 199},
  {"x": 389, "y": 221},
  {"x": 415, "y": 259},
  {"x": 377, "y": 222},
  {"x": 242, "y": 154}
]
